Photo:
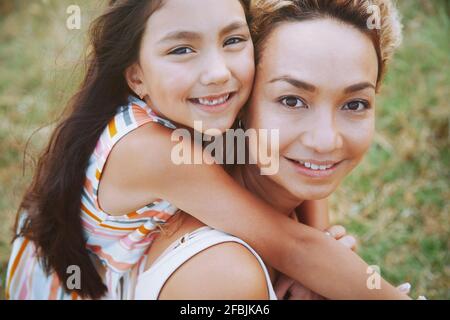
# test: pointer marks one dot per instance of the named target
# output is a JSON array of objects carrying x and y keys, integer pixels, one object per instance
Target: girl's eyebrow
[
  {"x": 191, "y": 35},
  {"x": 233, "y": 26},
  {"x": 180, "y": 35}
]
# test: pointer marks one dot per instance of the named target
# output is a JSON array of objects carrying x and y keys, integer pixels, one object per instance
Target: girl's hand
[
  {"x": 340, "y": 234},
  {"x": 406, "y": 288},
  {"x": 289, "y": 289}
]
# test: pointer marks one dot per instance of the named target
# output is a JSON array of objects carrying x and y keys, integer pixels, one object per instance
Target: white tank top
[{"x": 150, "y": 282}]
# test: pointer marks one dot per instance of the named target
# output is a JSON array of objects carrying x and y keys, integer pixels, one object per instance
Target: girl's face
[
  {"x": 316, "y": 84},
  {"x": 196, "y": 62}
]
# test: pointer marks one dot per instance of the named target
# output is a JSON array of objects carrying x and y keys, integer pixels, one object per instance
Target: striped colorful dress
[{"x": 120, "y": 243}]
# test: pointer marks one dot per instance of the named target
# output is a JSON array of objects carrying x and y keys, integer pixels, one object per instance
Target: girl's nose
[{"x": 216, "y": 70}]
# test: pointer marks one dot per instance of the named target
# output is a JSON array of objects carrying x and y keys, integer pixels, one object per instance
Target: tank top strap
[{"x": 150, "y": 282}]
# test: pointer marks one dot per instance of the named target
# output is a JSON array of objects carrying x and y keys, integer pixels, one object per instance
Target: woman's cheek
[{"x": 359, "y": 135}]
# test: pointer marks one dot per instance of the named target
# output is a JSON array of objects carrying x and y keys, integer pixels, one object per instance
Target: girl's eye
[
  {"x": 181, "y": 51},
  {"x": 293, "y": 102},
  {"x": 234, "y": 40},
  {"x": 357, "y": 105}
]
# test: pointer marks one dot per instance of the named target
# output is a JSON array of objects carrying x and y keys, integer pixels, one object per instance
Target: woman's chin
[{"x": 312, "y": 192}]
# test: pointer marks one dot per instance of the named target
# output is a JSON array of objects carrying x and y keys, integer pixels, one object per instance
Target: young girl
[{"x": 106, "y": 180}]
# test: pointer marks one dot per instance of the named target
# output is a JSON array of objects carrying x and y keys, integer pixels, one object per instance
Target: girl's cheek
[{"x": 245, "y": 67}]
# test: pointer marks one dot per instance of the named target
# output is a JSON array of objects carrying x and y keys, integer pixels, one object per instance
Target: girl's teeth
[{"x": 213, "y": 102}]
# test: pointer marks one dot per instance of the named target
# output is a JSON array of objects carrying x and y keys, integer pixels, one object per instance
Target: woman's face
[
  {"x": 315, "y": 83},
  {"x": 196, "y": 62}
]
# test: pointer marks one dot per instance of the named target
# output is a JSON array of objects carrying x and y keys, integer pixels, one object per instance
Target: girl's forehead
[{"x": 195, "y": 15}]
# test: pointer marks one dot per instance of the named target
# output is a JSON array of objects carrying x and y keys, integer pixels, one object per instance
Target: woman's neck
[
  {"x": 270, "y": 192},
  {"x": 266, "y": 189}
]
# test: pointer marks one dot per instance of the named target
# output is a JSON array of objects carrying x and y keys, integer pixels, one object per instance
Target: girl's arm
[
  {"x": 314, "y": 213},
  {"x": 209, "y": 194}
]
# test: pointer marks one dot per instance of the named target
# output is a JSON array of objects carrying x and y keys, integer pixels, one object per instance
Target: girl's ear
[{"x": 134, "y": 77}]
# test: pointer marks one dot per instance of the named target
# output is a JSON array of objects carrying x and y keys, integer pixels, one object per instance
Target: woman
[{"x": 318, "y": 69}]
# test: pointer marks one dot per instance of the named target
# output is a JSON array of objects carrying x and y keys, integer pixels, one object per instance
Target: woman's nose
[
  {"x": 323, "y": 136},
  {"x": 216, "y": 71}
]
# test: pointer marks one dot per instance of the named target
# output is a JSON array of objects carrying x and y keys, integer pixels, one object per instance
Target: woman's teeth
[
  {"x": 213, "y": 102},
  {"x": 313, "y": 166}
]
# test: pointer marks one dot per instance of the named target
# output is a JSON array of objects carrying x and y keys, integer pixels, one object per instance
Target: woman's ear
[{"x": 134, "y": 78}]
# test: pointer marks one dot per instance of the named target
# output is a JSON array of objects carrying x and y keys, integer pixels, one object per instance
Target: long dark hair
[{"x": 52, "y": 201}]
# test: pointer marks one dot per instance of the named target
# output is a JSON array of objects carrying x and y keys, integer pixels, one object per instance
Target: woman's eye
[
  {"x": 181, "y": 51},
  {"x": 234, "y": 40},
  {"x": 356, "y": 105},
  {"x": 293, "y": 102}
]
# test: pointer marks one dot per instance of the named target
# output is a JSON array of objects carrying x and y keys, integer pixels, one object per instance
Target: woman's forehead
[{"x": 319, "y": 50}]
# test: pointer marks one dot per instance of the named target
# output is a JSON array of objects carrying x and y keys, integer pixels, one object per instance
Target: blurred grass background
[{"x": 396, "y": 202}]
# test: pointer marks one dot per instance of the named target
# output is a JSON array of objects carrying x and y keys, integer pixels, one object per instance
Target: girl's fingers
[
  {"x": 404, "y": 287},
  {"x": 348, "y": 241},
  {"x": 282, "y": 285},
  {"x": 299, "y": 292},
  {"x": 336, "y": 231}
]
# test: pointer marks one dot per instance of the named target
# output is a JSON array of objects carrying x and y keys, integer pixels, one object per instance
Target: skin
[
  {"x": 182, "y": 59},
  {"x": 132, "y": 178},
  {"x": 314, "y": 118},
  {"x": 320, "y": 126}
]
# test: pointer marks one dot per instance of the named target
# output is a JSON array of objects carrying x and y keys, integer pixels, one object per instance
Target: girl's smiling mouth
[{"x": 214, "y": 103}]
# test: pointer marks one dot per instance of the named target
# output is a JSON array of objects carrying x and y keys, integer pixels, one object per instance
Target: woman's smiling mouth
[{"x": 313, "y": 168}]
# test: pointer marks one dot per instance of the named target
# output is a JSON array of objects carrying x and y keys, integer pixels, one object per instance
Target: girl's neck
[{"x": 266, "y": 189}]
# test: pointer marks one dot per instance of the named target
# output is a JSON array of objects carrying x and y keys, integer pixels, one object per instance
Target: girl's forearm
[
  {"x": 301, "y": 252},
  {"x": 314, "y": 213},
  {"x": 326, "y": 267}
]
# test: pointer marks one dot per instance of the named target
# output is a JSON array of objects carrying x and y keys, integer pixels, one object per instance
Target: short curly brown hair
[{"x": 267, "y": 14}]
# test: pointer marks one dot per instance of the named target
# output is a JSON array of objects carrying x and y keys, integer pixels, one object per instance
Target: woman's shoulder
[
  {"x": 206, "y": 264},
  {"x": 227, "y": 270}
]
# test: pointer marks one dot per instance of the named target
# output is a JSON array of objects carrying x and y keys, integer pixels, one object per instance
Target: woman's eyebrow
[
  {"x": 296, "y": 83},
  {"x": 309, "y": 87},
  {"x": 359, "y": 87}
]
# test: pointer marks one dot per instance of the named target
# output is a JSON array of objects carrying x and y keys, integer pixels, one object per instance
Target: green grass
[{"x": 396, "y": 202}]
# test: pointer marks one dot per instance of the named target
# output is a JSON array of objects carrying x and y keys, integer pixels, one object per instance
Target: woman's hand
[{"x": 289, "y": 289}]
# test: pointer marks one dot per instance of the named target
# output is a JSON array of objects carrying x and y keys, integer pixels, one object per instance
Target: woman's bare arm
[{"x": 209, "y": 194}]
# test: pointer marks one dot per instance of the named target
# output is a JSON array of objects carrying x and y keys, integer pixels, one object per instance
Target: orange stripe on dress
[
  {"x": 140, "y": 115},
  {"x": 54, "y": 287},
  {"x": 14, "y": 266},
  {"x": 117, "y": 228},
  {"x": 97, "y": 174},
  {"x": 142, "y": 229},
  {"x": 112, "y": 128},
  {"x": 88, "y": 212},
  {"x": 149, "y": 214},
  {"x": 89, "y": 187}
]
